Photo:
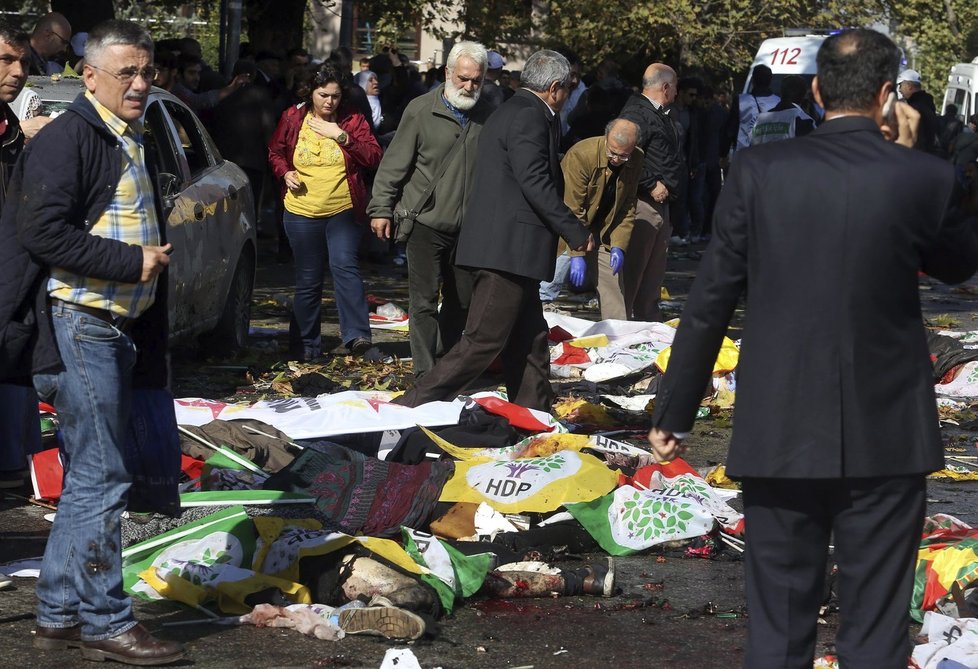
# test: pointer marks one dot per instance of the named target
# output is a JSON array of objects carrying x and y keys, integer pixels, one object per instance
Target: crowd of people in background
[
  {"x": 707, "y": 124},
  {"x": 476, "y": 170},
  {"x": 690, "y": 125}
]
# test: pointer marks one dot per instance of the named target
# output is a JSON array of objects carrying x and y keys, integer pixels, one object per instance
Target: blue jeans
[
  {"x": 550, "y": 290},
  {"x": 310, "y": 238},
  {"x": 81, "y": 575}
]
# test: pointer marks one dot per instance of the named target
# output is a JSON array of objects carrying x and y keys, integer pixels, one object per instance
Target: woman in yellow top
[{"x": 319, "y": 152}]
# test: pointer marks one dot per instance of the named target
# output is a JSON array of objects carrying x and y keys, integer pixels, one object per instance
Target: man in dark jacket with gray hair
[{"x": 84, "y": 216}]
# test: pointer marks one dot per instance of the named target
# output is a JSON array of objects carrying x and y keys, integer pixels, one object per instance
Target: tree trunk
[{"x": 275, "y": 26}]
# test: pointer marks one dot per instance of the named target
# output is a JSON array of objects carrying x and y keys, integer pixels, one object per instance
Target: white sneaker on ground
[{"x": 382, "y": 618}]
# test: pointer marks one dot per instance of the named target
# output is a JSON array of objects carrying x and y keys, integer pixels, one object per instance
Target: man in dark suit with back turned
[
  {"x": 836, "y": 424},
  {"x": 510, "y": 238}
]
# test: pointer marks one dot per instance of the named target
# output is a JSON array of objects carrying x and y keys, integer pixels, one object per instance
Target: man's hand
[
  {"x": 907, "y": 121},
  {"x": 31, "y": 126},
  {"x": 381, "y": 227},
  {"x": 665, "y": 445},
  {"x": 578, "y": 271},
  {"x": 617, "y": 260},
  {"x": 155, "y": 260},
  {"x": 587, "y": 246},
  {"x": 660, "y": 193}
]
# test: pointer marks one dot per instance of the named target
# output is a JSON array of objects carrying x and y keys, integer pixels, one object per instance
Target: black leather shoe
[
  {"x": 57, "y": 638},
  {"x": 359, "y": 346},
  {"x": 599, "y": 579},
  {"x": 136, "y": 646}
]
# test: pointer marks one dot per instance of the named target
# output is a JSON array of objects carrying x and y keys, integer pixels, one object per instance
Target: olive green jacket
[{"x": 424, "y": 138}]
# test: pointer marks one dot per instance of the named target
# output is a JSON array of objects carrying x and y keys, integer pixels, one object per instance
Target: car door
[{"x": 201, "y": 207}]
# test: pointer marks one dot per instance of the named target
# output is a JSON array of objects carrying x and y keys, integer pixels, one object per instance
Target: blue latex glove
[
  {"x": 578, "y": 271},
  {"x": 617, "y": 260}
]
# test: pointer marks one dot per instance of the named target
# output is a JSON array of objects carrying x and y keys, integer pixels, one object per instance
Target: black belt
[{"x": 120, "y": 322}]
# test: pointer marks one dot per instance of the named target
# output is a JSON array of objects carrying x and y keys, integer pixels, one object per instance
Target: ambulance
[
  {"x": 787, "y": 55},
  {"x": 962, "y": 89}
]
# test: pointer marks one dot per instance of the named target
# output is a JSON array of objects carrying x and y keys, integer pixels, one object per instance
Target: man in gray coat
[{"x": 431, "y": 213}]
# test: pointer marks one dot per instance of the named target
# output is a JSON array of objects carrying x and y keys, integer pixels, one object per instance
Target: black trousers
[
  {"x": 505, "y": 318},
  {"x": 876, "y": 525},
  {"x": 430, "y": 256}
]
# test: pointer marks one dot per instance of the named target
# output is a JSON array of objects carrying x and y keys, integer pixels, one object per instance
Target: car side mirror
[{"x": 169, "y": 189}]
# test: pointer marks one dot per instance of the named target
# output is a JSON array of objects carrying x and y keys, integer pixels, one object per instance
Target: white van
[
  {"x": 787, "y": 55},
  {"x": 962, "y": 89}
]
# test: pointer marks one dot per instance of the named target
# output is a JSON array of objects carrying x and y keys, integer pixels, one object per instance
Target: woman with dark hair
[{"x": 320, "y": 152}]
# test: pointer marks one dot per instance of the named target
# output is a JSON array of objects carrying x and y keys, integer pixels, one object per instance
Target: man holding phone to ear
[{"x": 836, "y": 422}]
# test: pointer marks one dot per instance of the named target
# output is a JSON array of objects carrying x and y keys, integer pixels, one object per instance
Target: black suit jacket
[
  {"x": 826, "y": 233},
  {"x": 517, "y": 211}
]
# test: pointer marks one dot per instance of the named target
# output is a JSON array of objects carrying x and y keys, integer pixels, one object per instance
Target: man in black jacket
[
  {"x": 663, "y": 181},
  {"x": 18, "y": 403},
  {"x": 90, "y": 259},
  {"x": 511, "y": 242},
  {"x": 836, "y": 425}
]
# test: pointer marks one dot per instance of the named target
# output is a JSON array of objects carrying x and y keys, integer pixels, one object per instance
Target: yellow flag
[{"x": 530, "y": 484}]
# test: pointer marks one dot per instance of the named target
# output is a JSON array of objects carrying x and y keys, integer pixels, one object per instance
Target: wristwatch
[{"x": 342, "y": 138}]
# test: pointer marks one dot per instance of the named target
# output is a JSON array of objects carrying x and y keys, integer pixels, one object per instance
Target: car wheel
[{"x": 231, "y": 334}]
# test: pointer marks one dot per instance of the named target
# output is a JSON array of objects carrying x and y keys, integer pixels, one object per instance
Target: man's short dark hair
[
  {"x": 793, "y": 89},
  {"x": 761, "y": 77},
  {"x": 852, "y": 67},
  {"x": 166, "y": 59},
  {"x": 186, "y": 60},
  {"x": 951, "y": 110},
  {"x": 13, "y": 36}
]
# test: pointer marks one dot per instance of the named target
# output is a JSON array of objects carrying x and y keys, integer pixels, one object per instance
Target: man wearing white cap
[
  {"x": 491, "y": 91},
  {"x": 908, "y": 85}
]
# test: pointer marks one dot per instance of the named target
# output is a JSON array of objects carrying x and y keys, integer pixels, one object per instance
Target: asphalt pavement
[{"x": 673, "y": 611}]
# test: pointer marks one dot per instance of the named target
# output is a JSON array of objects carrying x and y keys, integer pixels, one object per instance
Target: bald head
[
  {"x": 659, "y": 83},
  {"x": 621, "y": 136},
  {"x": 51, "y": 35},
  {"x": 622, "y": 131}
]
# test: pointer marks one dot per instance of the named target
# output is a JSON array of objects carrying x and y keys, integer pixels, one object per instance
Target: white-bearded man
[{"x": 430, "y": 196}]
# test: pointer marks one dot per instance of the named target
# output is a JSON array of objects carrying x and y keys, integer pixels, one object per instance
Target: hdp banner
[
  {"x": 527, "y": 484},
  {"x": 678, "y": 475},
  {"x": 951, "y": 642},
  {"x": 208, "y": 559},
  {"x": 283, "y": 542},
  {"x": 630, "y": 520},
  {"x": 542, "y": 445},
  {"x": 452, "y": 574}
]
